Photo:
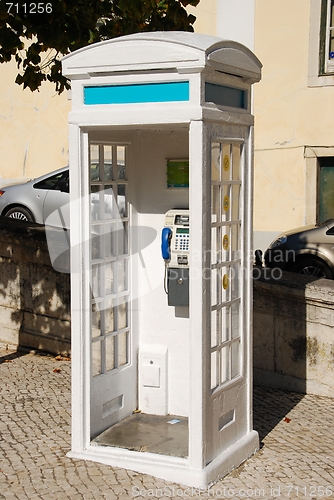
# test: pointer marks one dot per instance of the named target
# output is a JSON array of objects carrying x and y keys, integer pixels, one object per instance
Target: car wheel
[
  {"x": 20, "y": 213},
  {"x": 312, "y": 267}
]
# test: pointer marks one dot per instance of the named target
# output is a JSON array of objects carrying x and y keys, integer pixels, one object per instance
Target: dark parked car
[{"x": 307, "y": 250}]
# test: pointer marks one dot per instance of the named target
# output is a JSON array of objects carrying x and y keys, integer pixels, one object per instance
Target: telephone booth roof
[{"x": 182, "y": 52}]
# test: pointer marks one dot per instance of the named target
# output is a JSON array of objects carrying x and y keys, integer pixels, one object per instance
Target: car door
[{"x": 57, "y": 199}]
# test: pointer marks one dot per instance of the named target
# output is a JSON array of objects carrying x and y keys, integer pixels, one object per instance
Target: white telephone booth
[{"x": 161, "y": 224}]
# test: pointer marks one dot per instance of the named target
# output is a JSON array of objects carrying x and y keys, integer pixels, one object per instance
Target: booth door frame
[
  {"x": 223, "y": 409},
  {"x": 97, "y": 401},
  {"x": 114, "y": 372},
  {"x": 229, "y": 402}
]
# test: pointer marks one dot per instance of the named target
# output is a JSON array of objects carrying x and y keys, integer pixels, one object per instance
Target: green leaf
[{"x": 73, "y": 24}]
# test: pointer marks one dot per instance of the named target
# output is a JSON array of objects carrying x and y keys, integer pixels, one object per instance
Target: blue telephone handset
[{"x": 165, "y": 242}]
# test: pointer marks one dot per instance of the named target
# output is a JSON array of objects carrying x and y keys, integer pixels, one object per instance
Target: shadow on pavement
[
  {"x": 8, "y": 354},
  {"x": 270, "y": 406},
  {"x": 8, "y": 357}
]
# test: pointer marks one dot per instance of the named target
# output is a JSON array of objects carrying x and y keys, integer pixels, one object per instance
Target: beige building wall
[
  {"x": 33, "y": 129},
  {"x": 293, "y": 111},
  {"x": 206, "y": 16},
  {"x": 293, "y": 116}
]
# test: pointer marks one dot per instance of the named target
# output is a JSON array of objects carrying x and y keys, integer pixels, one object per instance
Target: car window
[
  {"x": 52, "y": 181},
  {"x": 95, "y": 171}
]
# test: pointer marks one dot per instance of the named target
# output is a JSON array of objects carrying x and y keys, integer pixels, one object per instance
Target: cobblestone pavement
[{"x": 295, "y": 459}]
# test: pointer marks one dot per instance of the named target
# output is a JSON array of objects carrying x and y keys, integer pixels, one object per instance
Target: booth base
[
  {"x": 171, "y": 468},
  {"x": 162, "y": 434}
]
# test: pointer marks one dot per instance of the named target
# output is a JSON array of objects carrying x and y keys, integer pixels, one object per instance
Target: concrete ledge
[
  {"x": 293, "y": 320},
  {"x": 48, "y": 343},
  {"x": 293, "y": 325}
]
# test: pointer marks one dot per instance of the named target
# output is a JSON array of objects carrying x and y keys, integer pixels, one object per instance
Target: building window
[
  {"x": 327, "y": 38},
  {"x": 325, "y": 189}
]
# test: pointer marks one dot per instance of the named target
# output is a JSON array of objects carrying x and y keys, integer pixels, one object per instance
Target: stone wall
[
  {"x": 294, "y": 332},
  {"x": 34, "y": 298},
  {"x": 293, "y": 317}
]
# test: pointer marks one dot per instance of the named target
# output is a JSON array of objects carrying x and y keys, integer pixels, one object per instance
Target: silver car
[
  {"x": 35, "y": 200},
  {"x": 307, "y": 250}
]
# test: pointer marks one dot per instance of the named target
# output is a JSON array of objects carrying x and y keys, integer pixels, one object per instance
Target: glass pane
[
  {"x": 215, "y": 245},
  {"x": 107, "y": 161},
  {"x": 235, "y": 365},
  {"x": 215, "y": 203},
  {"x": 226, "y": 163},
  {"x": 108, "y": 314},
  {"x": 96, "y": 358},
  {"x": 215, "y": 161},
  {"x": 110, "y": 353},
  {"x": 94, "y": 202},
  {"x": 122, "y": 316},
  {"x": 122, "y": 348},
  {"x": 95, "y": 188},
  {"x": 235, "y": 280},
  {"x": 214, "y": 287},
  {"x": 121, "y": 162},
  {"x": 215, "y": 327},
  {"x": 235, "y": 202},
  {"x": 235, "y": 310},
  {"x": 122, "y": 275},
  {"x": 225, "y": 283},
  {"x": 331, "y": 31},
  {"x": 108, "y": 278},
  {"x": 226, "y": 243},
  {"x": 236, "y": 173},
  {"x": 225, "y": 364},
  {"x": 225, "y": 315},
  {"x": 214, "y": 370},
  {"x": 226, "y": 202},
  {"x": 96, "y": 320},
  {"x": 325, "y": 192},
  {"x": 50, "y": 182},
  {"x": 108, "y": 202},
  {"x": 109, "y": 240},
  {"x": 122, "y": 238},
  {"x": 97, "y": 203},
  {"x": 121, "y": 200},
  {"x": 94, "y": 162},
  {"x": 96, "y": 280},
  {"x": 97, "y": 241},
  {"x": 235, "y": 241}
]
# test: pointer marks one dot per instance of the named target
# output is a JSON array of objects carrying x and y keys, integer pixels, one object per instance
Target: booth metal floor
[{"x": 161, "y": 434}]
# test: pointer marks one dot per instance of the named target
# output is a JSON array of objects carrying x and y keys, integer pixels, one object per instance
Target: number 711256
[{"x": 29, "y": 8}]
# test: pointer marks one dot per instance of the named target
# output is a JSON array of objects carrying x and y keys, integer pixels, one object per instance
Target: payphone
[
  {"x": 175, "y": 242},
  {"x": 138, "y": 101}
]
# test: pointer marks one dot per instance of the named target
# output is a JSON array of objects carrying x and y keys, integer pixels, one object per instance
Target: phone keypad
[{"x": 182, "y": 242}]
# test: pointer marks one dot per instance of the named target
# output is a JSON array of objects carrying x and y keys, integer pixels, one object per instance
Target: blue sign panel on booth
[{"x": 137, "y": 93}]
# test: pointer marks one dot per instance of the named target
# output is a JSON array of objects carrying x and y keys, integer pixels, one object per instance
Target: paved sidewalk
[{"x": 295, "y": 461}]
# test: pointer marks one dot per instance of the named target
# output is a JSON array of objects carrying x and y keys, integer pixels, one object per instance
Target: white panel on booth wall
[{"x": 153, "y": 380}]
